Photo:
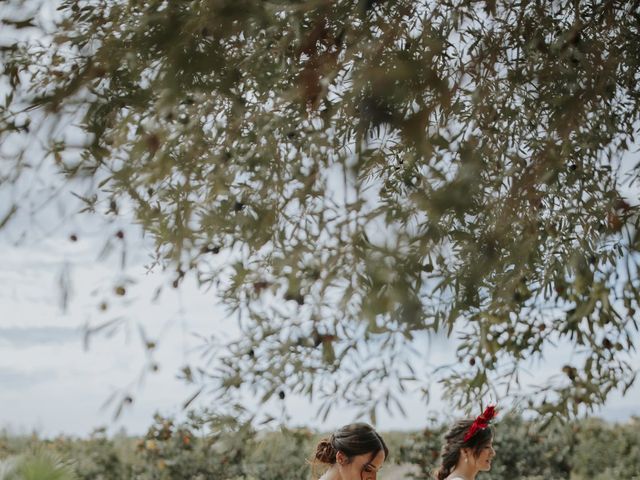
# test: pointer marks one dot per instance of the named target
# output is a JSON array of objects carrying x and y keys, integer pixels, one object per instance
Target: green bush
[
  {"x": 228, "y": 447},
  {"x": 590, "y": 449},
  {"x": 603, "y": 452},
  {"x": 207, "y": 446},
  {"x": 98, "y": 457},
  {"x": 37, "y": 465},
  {"x": 282, "y": 454}
]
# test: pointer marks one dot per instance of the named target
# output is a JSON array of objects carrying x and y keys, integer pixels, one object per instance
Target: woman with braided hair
[
  {"x": 468, "y": 448},
  {"x": 353, "y": 452}
]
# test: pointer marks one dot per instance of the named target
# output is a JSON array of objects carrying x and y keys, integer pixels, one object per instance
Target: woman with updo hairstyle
[
  {"x": 353, "y": 452},
  {"x": 468, "y": 448}
]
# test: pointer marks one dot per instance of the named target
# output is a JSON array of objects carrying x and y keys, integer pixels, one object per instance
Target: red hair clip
[{"x": 481, "y": 422}]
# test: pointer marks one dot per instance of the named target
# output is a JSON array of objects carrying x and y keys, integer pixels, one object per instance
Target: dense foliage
[
  {"x": 37, "y": 465},
  {"x": 586, "y": 449},
  {"x": 350, "y": 173},
  {"x": 232, "y": 450}
]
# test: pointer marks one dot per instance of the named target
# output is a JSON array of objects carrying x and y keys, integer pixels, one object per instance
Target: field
[{"x": 210, "y": 447}]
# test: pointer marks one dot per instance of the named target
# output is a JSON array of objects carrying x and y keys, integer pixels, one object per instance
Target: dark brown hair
[
  {"x": 454, "y": 443},
  {"x": 352, "y": 440}
]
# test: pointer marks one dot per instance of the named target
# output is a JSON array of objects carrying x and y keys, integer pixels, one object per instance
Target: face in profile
[
  {"x": 484, "y": 457},
  {"x": 360, "y": 467}
]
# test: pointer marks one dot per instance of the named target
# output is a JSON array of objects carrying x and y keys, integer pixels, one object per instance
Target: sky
[{"x": 52, "y": 384}]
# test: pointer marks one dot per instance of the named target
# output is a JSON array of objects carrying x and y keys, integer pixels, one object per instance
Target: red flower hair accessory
[{"x": 481, "y": 422}]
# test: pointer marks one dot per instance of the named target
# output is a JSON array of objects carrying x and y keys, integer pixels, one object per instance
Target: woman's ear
[
  {"x": 341, "y": 458},
  {"x": 465, "y": 455}
]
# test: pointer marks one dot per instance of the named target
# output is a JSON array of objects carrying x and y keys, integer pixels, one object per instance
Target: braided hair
[{"x": 454, "y": 443}]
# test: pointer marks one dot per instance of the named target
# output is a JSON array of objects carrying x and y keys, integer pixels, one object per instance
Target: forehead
[{"x": 376, "y": 462}]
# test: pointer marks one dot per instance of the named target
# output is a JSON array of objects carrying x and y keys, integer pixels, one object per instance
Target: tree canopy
[{"x": 350, "y": 174}]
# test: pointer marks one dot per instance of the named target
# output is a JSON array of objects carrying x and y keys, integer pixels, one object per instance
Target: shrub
[{"x": 38, "y": 465}]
